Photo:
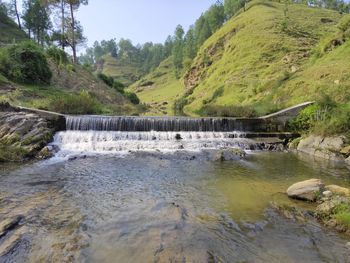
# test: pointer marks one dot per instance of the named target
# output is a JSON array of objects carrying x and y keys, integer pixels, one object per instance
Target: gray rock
[
  {"x": 347, "y": 161},
  {"x": 327, "y": 193},
  {"x": 305, "y": 190},
  {"x": 28, "y": 132},
  {"x": 323, "y": 147},
  {"x": 8, "y": 224}
]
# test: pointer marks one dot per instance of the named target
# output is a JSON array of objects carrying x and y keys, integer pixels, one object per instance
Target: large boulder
[
  {"x": 306, "y": 190},
  {"x": 335, "y": 189},
  {"x": 323, "y": 147}
]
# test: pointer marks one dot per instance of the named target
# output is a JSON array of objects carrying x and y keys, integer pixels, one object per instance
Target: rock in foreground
[{"x": 306, "y": 190}]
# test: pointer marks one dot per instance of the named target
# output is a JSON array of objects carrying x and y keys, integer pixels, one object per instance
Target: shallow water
[{"x": 157, "y": 207}]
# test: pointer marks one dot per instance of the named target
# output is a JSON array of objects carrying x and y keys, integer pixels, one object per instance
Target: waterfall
[
  {"x": 106, "y": 123},
  {"x": 104, "y": 134},
  {"x": 114, "y": 141}
]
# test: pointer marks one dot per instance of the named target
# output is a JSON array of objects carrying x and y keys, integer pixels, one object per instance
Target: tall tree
[
  {"x": 190, "y": 43},
  {"x": 13, "y": 11},
  {"x": 178, "y": 49},
  {"x": 73, "y": 6},
  {"x": 36, "y": 20}
]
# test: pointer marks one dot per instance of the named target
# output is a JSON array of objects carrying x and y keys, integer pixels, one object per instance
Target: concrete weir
[{"x": 265, "y": 125}]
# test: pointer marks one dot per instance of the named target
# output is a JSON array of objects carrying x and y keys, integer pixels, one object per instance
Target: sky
[{"x": 138, "y": 20}]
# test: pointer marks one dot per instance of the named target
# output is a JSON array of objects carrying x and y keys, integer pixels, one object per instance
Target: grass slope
[
  {"x": 159, "y": 89},
  {"x": 66, "y": 83},
  {"x": 9, "y": 31},
  {"x": 122, "y": 71},
  {"x": 265, "y": 60}
]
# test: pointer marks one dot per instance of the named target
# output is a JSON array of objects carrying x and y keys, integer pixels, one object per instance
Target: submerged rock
[
  {"x": 305, "y": 190},
  {"x": 8, "y": 224},
  {"x": 229, "y": 154}
]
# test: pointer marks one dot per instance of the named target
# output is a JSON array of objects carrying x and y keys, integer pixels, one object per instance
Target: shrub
[
  {"x": 305, "y": 119},
  {"x": 25, "y": 63},
  {"x": 83, "y": 103},
  {"x": 57, "y": 55},
  {"x": 106, "y": 79},
  {"x": 132, "y": 97},
  {"x": 118, "y": 86}
]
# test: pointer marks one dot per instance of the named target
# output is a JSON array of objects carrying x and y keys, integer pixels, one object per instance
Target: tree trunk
[
  {"x": 73, "y": 34},
  {"x": 17, "y": 15},
  {"x": 62, "y": 25}
]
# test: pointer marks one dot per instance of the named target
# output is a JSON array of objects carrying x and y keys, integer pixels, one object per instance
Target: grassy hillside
[
  {"x": 159, "y": 89},
  {"x": 269, "y": 57},
  {"x": 9, "y": 30},
  {"x": 124, "y": 72},
  {"x": 71, "y": 90},
  {"x": 264, "y": 59}
]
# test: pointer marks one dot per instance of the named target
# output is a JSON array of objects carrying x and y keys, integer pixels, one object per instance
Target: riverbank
[
  {"x": 332, "y": 148},
  {"x": 22, "y": 134}
]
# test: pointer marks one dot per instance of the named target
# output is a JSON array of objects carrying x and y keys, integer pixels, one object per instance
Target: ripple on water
[{"x": 158, "y": 207}]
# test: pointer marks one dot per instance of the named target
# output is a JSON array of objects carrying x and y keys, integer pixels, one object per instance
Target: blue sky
[{"x": 138, "y": 20}]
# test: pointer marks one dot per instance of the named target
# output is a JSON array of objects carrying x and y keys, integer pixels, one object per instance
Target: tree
[
  {"x": 13, "y": 12},
  {"x": 190, "y": 43},
  {"x": 75, "y": 28},
  {"x": 36, "y": 20},
  {"x": 202, "y": 30},
  {"x": 215, "y": 16},
  {"x": 3, "y": 8},
  {"x": 73, "y": 36},
  {"x": 231, "y": 7},
  {"x": 178, "y": 49}
]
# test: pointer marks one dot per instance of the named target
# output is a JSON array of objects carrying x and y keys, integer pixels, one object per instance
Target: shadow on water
[{"x": 149, "y": 207}]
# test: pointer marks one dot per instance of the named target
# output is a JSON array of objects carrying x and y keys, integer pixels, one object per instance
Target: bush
[
  {"x": 132, "y": 97},
  {"x": 325, "y": 117},
  {"x": 109, "y": 81},
  {"x": 118, "y": 86},
  {"x": 228, "y": 111},
  {"x": 305, "y": 119},
  {"x": 25, "y": 63},
  {"x": 83, "y": 103},
  {"x": 57, "y": 55}
]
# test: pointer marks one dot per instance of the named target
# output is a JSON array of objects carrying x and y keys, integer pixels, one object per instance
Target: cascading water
[{"x": 100, "y": 134}]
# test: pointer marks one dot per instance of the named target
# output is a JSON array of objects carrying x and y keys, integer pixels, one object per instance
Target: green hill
[
  {"x": 72, "y": 89},
  {"x": 122, "y": 71},
  {"x": 266, "y": 58},
  {"x": 159, "y": 89}
]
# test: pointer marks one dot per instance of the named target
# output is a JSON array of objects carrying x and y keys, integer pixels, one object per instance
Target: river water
[{"x": 163, "y": 205}]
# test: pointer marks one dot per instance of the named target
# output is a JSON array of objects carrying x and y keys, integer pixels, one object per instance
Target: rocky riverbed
[{"x": 331, "y": 204}]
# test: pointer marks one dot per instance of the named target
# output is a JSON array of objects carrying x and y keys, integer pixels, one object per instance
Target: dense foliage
[
  {"x": 119, "y": 87},
  {"x": 25, "y": 63},
  {"x": 324, "y": 117}
]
